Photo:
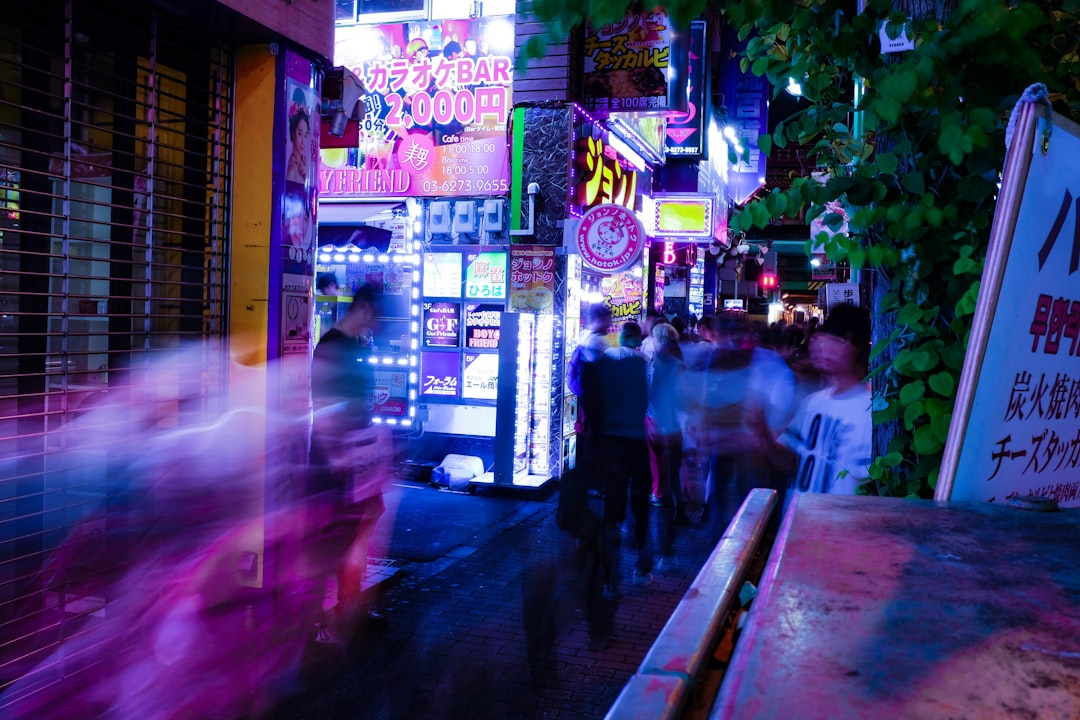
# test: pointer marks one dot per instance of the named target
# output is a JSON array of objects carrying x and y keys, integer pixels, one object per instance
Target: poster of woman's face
[{"x": 301, "y": 153}]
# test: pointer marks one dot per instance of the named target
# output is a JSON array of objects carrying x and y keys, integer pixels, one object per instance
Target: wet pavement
[{"x": 461, "y": 579}]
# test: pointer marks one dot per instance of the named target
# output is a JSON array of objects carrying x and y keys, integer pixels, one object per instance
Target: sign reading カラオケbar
[
  {"x": 1016, "y": 423},
  {"x": 437, "y": 102}
]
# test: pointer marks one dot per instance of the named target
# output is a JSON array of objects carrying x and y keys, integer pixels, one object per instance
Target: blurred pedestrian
[
  {"x": 741, "y": 388},
  {"x": 349, "y": 464},
  {"x": 828, "y": 445},
  {"x": 664, "y": 432},
  {"x": 616, "y": 397}
]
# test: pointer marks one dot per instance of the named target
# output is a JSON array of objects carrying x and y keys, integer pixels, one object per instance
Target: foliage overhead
[{"x": 914, "y": 158}]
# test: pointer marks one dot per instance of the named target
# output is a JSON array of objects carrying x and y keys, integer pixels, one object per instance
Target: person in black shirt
[{"x": 345, "y": 481}]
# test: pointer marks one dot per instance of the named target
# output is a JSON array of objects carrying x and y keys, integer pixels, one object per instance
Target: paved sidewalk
[{"x": 455, "y": 646}]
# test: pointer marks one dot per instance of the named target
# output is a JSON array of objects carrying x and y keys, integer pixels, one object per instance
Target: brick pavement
[{"x": 455, "y": 646}]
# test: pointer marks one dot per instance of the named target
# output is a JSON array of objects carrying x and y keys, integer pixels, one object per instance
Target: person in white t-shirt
[{"x": 827, "y": 446}]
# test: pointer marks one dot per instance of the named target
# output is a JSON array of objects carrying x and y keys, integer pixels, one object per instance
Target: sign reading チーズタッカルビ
[
  {"x": 610, "y": 238},
  {"x": 1016, "y": 423}
]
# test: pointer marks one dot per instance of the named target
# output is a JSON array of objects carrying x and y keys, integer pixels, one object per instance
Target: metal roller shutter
[{"x": 115, "y": 130}]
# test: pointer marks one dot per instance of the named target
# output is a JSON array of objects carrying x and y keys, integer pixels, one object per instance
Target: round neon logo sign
[{"x": 610, "y": 238}]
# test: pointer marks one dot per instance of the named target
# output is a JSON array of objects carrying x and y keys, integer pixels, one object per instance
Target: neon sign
[{"x": 603, "y": 180}]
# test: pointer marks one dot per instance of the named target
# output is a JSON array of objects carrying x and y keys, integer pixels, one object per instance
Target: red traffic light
[{"x": 767, "y": 281}]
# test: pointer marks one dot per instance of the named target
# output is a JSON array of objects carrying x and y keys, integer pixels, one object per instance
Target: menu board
[
  {"x": 480, "y": 378},
  {"x": 532, "y": 278},
  {"x": 442, "y": 324},
  {"x": 482, "y": 326},
  {"x": 390, "y": 392},
  {"x": 439, "y": 374},
  {"x": 485, "y": 275},
  {"x": 442, "y": 274}
]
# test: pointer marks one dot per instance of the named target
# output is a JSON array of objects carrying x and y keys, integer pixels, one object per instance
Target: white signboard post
[{"x": 1016, "y": 425}]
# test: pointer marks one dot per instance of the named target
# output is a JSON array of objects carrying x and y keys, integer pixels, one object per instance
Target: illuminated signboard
[
  {"x": 438, "y": 98},
  {"x": 439, "y": 374},
  {"x": 627, "y": 63},
  {"x": 684, "y": 215},
  {"x": 442, "y": 274},
  {"x": 442, "y": 324},
  {"x": 601, "y": 175},
  {"x": 485, "y": 275},
  {"x": 480, "y": 378},
  {"x": 685, "y": 132},
  {"x": 482, "y": 326},
  {"x": 390, "y": 392}
]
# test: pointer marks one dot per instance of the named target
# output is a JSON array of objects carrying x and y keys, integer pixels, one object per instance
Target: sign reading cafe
[{"x": 437, "y": 102}]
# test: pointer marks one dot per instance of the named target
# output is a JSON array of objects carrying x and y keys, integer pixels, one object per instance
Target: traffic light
[{"x": 767, "y": 281}]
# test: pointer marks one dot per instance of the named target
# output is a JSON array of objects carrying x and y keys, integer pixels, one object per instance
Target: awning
[{"x": 353, "y": 213}]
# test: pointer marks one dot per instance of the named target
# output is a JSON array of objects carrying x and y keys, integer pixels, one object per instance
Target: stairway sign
[{"x": 1016, "y": 425}]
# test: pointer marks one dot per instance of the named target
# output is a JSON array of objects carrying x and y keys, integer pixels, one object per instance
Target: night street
[{"x": 455, "y": 644}]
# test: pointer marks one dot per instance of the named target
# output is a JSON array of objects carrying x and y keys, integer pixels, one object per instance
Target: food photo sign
[
  {"x": 1016, "y": 423},
  {"x": 532, "y": 278},
  {"x": 627, "y": 63},
  {"x": 438, "y": 95}
]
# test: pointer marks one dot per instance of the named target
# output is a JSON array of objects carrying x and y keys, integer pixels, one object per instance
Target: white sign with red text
[{"x": 610, "y": 238}]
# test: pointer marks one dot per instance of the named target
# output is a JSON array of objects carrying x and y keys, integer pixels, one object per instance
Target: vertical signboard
[
  {"x": 532, "y": 278},
  {"x": 685, "y": 135},
  {"x": 297, "y": 236},
  {"x": 628, "y": 63},
  {"x": 437, "y": 102},
  {"x": 747, "y": 100},
  {"x": 1016, "y": 423}
]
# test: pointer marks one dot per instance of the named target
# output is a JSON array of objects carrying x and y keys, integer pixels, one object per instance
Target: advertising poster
[
  {"x": 439, "y": 374},
  {"x": 485, "y": 275},
  {"x": 480, "y": 377},
  {"x": 1016, "y": 427},
  {"x": 627, "y": 63},
  {"x": 623, "y": 294},
  {"x": 437, "y": 102},
  {"x": 390, "y": 393},
  {"x": 298, "y": 204},
  {"x": 686, "y": 131},
  {"x": 296, "y": 322},
  {"x": 442, "y": 324},
  {"x": 532, "y": 278},
  {"x": 482, "y": 326},
  {"x": 442, "y": 275},
  {"x": 610, "y": 238}
]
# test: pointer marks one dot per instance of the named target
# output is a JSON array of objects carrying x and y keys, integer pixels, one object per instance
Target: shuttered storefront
[{"x": 115, "y": 134}]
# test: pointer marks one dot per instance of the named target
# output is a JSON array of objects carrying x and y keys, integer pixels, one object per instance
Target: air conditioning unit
[
  {"x": 465, "y": 217},
  {"x": 439, "y": 220},
  {"x": 494, "y": 215}
]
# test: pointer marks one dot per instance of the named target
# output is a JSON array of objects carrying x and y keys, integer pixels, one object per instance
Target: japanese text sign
[
  {"x": 480, "y": 378},
  {"x": 686, "y": 131},
  {"x": 390, "y": 392},
  {"x": 482, "y": 326},
  {"x": 627, "y": 63},
  {"x": 532, "y": 278},
  {"x": 610, "y": 238},
  {"x": 439, "y": 374},
  {"x": 1016, "y": 425},
  {"x": 442, "y": 274},
  {"x": 485, "y": 275}
]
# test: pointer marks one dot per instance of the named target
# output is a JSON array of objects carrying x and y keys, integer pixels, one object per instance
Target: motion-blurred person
[
  {"x": 616, "y": 395},
  {"x": 348, "y": 464},
  {"x": 664, "y": 432},
  {"x": 828, "y": 445},
  {"x": 740, "y": 387},
  {"x": 327, "y": 284}
]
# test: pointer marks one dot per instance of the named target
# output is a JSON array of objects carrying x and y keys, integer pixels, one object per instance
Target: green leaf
[
  {"x": 912, "y": 392},
  {"x": 943, "y": 383},
  {"x": 910, "y": 314},
  {"x": 914, "y": 183},
  {"x": 892, "y": 459},
  {"x": 887, "y": 163},
  {"x": 912, "y": 414},
  {"x": 926, "y": 441},
  {"x": 765, "y": 143},
  {"x": 881, "y": 345}
]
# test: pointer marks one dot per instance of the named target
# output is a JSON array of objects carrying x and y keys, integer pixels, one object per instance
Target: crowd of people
[{"x": 691, "y": 417}]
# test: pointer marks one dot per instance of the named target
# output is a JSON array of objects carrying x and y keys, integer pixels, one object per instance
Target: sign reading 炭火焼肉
[{"x": 1016, "y": 424}]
